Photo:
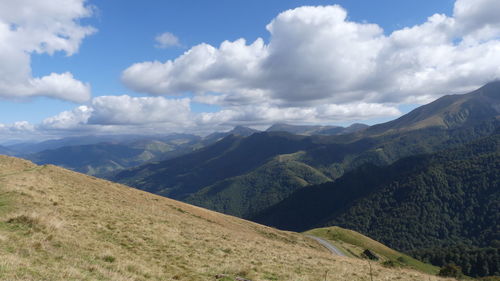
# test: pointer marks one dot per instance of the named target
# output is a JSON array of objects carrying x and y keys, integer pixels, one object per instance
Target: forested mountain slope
[{"x": 417, "y": 204}]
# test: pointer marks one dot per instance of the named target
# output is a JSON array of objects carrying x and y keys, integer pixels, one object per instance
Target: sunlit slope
[
  {"x": 353, "y": 244},
  {"x": 60, "y": 225}
]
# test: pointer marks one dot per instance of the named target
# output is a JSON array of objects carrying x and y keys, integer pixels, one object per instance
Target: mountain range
[
  {"x": 102, "y": 156},
  {"x": 244, "y": 175}
]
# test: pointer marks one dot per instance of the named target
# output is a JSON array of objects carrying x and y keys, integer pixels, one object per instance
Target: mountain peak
[
  {"x": 242, "y": 131},
  {"x": 491, "y": 90},
  {"x": 449, "y": 111}
]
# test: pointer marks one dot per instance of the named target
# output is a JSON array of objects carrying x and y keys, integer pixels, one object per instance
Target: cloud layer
[
  {"x": 125, "y": 114},
  {"x": 36, "y": 27}
]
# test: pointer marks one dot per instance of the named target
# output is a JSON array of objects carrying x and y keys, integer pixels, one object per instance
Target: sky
[{"x": 86, "y": 67}]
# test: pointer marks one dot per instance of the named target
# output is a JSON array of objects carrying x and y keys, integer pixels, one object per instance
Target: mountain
[
  {"x": 30, "y": 147},
  {"x": 22, "y": 149},
  {"x": 447, "y": 112},
  {"x": 60, "y": 225},
  {"x": 260, "y": 188},
  {"x": 240, "y": 131},
  {"x": 94, "y": 159},
  {"x": 421, "y": 204},
  {"x": 232, "y": 156},
  {"x": 310, "y": 130},
  {"x": 105, "y": 158}
]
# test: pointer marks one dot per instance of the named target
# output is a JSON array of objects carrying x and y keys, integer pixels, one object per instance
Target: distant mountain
[
  {"x": 447, "y": 112},
  {"x": 103, "y": 159},
  {"x": 103, "y": 156},
  {"x": 29, "y": 148},
  {"x": 93, "y": 159},
  {"x": 299, "y": 129},
  {"x": 310, "y": 130},
  {"x": 5, "y": 151},
  {"x": 240, "y": 131},
  {"x": 417, "y": 204}
]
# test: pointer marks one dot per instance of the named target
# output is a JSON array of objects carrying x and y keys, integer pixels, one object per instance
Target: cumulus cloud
[
  {"x": 201, "y": 69},
  {"x": 21, "y": 130},
  {"x": 31, "y": 26},
  {"x": 316, "y": 55},
  {"x": 73, "y": 119},
  {"x": 478, "y": 19},
  {"x": 123, "y": 114},
  {"x": 123, "y": 110},
  {"x": 166, "y": 40}
]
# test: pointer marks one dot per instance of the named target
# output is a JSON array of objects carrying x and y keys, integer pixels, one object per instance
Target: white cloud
[
  {"x": 166, "y": 40},
  {"x": 31, "y": 26},
  {"x": 317, "y": 56},
  {"x": 478, "y": 19},
  {"x": 21, "y": 130},
  {"x": 73, "y": 119},
  {"x": 125, "y": 110},
  {"x": 266, "y": 114},
  {"x": 122, "y": 114},
  {"x": 201, "y": 69}
]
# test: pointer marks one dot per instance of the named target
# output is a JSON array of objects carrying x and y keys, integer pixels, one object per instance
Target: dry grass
[
  {"x": 353, "y": 244},
  {"x": 61, "y": 225}
]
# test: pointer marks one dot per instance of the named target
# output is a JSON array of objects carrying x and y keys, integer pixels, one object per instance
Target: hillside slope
[
  {"x": 60, "y": 225},
  {"x": 232, "y": 156},
  {"x": 258, "y": 189},
  {"x": 354, "y": 244}
]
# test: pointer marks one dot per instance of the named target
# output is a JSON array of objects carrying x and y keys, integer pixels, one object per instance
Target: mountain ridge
[
  {"x": 209, "y": 176},
  {"x": 448, "y": 111}
]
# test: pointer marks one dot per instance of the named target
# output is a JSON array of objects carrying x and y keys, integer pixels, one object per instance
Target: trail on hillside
[{"x": 328, "y": 245}]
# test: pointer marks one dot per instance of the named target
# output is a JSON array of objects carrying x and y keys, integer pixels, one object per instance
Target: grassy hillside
[
  {"x": 354, "y": 243},
  {"x": 60, "y": 225}
]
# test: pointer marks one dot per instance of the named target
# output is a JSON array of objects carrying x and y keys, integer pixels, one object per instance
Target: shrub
[{"x": 450, "y": 270}]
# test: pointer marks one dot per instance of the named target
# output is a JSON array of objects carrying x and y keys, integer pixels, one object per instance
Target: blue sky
[{"x": 124, "y": 34}]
